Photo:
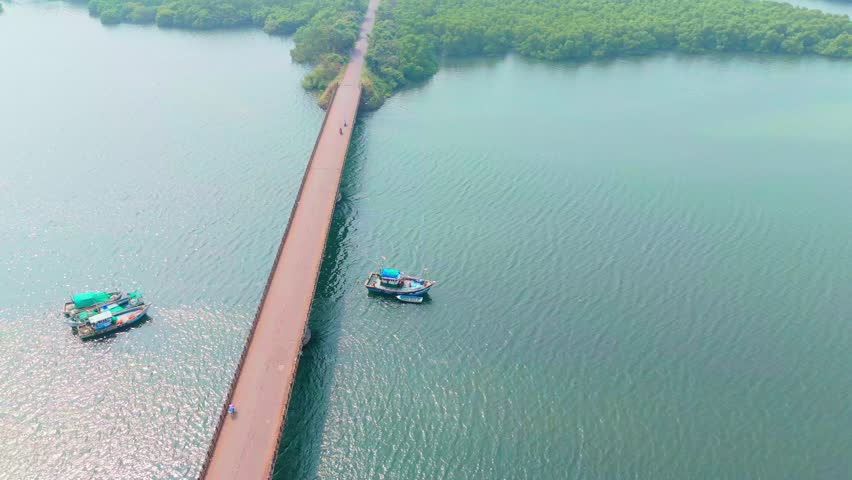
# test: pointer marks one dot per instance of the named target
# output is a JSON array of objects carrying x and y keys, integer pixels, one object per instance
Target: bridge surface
[{"x": 244, "y": 446}]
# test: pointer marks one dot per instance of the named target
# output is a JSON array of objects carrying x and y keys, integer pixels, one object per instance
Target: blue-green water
[
  {"x": 838, "y": 7},
  {"x": 644, "y": 265},
  {"x": 131, "y": 157}
]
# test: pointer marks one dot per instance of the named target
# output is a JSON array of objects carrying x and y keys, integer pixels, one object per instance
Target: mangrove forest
[{"x": 412, "y": 35}]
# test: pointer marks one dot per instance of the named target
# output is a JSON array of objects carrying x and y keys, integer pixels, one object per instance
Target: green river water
[{"x": 645, "y": 265}]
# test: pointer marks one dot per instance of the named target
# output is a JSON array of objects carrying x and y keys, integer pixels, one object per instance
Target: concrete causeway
[{"x": 244, "y": 446}]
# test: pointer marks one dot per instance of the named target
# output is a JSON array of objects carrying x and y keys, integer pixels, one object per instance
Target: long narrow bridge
[{"x": 244, "y": 446}]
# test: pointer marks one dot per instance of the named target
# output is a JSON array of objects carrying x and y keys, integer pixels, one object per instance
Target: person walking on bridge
[{"x": 341, "y": 131}]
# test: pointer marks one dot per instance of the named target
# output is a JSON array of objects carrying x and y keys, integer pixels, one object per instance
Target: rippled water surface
[
  {"x": 139, "y": 158},
  {"x": 644, "y": 265},
  {"x": 645, "y": 272}
]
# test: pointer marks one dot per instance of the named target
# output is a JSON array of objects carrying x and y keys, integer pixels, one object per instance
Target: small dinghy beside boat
[
  {"x": 409, "y": 299},
  {"x": 395, "y": 283}
]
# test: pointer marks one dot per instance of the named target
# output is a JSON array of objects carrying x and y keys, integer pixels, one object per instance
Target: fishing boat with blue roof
[{"x": 389, "y": 281}]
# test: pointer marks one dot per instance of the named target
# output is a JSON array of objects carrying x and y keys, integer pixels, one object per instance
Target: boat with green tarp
[
  {"x": 132, "y": 299},
  {"x": 89, "y": 301}
]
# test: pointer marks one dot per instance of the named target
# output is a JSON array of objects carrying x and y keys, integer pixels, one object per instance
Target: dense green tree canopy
[
  {"x": 329, "y": 31},
  {"x": 411, "y": 35},
  {"x": 274, "y": 16}
]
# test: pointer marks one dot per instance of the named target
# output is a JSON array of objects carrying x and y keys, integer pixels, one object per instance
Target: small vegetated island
[{"x": 410, "y": 36}]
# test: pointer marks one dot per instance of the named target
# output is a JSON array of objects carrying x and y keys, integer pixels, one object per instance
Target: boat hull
[
  {"x": 374, "y": 285},
  {"x": 394, "y": 293},
  {"x": 133, "y": 317}
]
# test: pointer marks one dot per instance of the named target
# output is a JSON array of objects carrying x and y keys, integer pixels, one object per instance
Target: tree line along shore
[{"x": 411, "y": 36}]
